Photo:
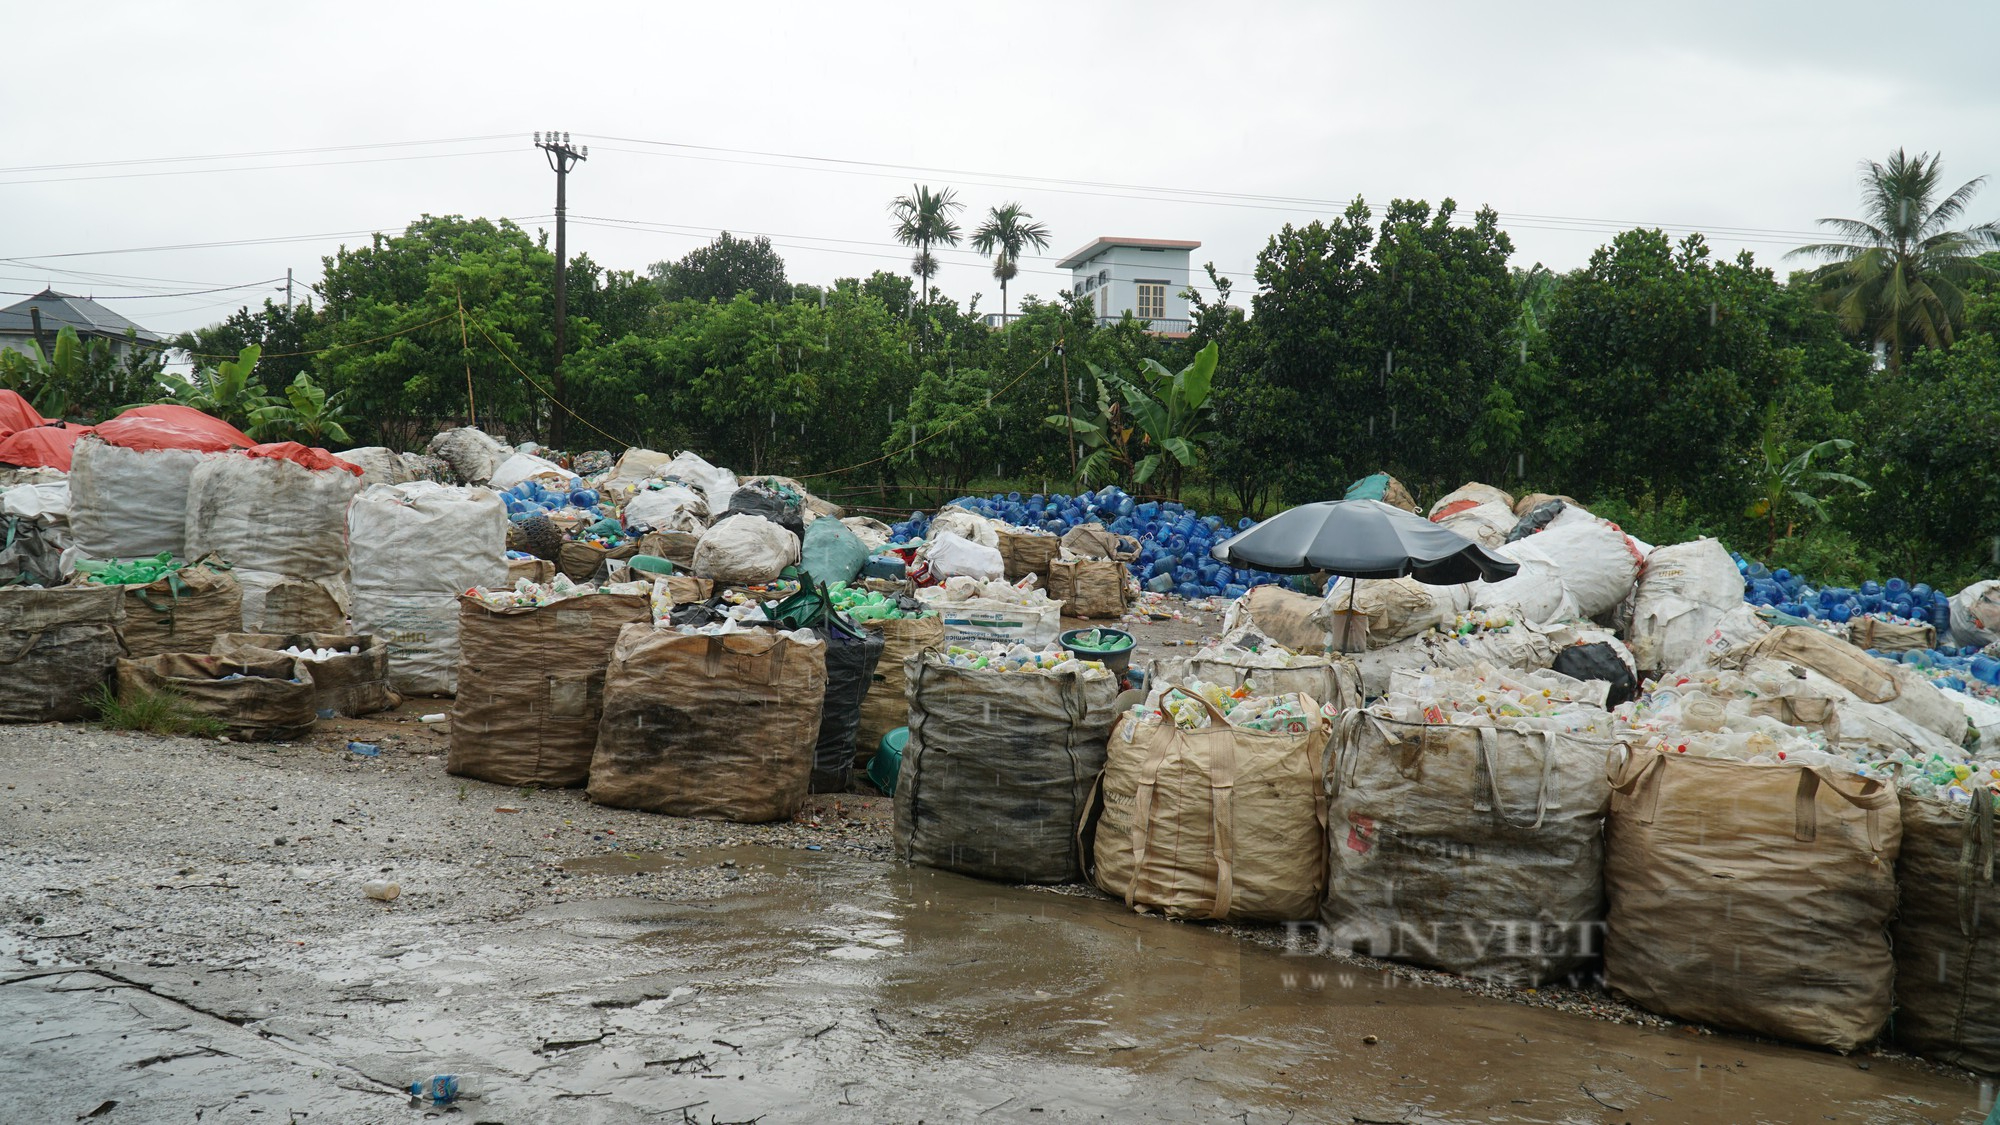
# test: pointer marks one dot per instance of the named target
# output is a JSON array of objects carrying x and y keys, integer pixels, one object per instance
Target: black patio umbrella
[{"x": 1363, "y": 539}]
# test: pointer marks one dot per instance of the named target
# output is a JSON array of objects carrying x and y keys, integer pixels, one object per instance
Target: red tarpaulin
[
  {"x": 44, "y": 447},
  {"x": 308, "y": 456},
  {"x": 168, "y": 426},
  {"x": 16, "y": 413}
]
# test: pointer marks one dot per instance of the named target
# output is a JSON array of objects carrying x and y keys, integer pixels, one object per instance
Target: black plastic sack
[
  {"x": 851, "y": 657},
  {"x": 1598, "y": 662},
  {"x": 1537, "y": 518},
  {"x": 757, "y": 502},
  {"x": 697, "y": 614}
]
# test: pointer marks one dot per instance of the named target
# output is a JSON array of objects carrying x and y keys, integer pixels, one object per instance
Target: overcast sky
[{"x": 1573, "y": 120}]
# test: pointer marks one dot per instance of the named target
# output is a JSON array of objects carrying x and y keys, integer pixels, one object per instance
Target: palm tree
[
  {"x": 1010, "y": 231},
  {"x": 923, "y": 219},
  {"x": 1898, "y": 273}
]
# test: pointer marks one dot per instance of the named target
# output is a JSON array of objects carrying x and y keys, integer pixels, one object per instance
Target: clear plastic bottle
[{"x": 444, "y": 1089}]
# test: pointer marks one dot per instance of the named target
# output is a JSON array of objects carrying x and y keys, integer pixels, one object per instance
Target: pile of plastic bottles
[
  {"x": 1018, "y": 658},
  {"x": 1937, "y": 776},
  {"x": 1174, "y": 542},
  {"x": 866, "y": 605},
  {"x": 137, "y": 572},
  {"x": 606, "y": 533},
  {"x": 526, "y": 593},
  {"x": 533, "y": 498},
  {"x": 1969, "y": 670},
  {"x": 1894, "y": 600},
  {"x": 315, "y": 655}
]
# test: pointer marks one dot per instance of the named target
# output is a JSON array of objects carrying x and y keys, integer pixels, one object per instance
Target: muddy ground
[{"x": 184, "y": 937}]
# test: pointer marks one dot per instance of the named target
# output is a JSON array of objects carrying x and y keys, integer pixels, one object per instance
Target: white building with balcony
[{"x": 1142, "y": 276}]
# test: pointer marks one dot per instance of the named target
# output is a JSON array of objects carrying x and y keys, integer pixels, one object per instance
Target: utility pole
[
  {"x": 562, "y": 157},
  {"x": 288, "y": 289}
]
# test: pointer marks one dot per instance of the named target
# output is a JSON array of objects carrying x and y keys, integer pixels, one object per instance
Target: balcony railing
[{"x": 1159, "y": 326}]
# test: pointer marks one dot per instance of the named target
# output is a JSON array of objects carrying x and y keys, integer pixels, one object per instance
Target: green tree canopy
[{"x": 722, "y": 269}]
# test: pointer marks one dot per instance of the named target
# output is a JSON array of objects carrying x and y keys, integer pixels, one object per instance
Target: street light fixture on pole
[{"x": 562, "y": 157}]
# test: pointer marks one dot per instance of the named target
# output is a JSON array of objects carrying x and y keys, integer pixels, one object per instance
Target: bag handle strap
[
  {"x": 1489, "y": 738},
  {"x": 1975, "y": 860},
  {"x": 1639, "y": 778},
  {"x": 1222, "y": 802},
  {"x": 1141, "y": 833},
  {"x": 1872, "y": 797}
]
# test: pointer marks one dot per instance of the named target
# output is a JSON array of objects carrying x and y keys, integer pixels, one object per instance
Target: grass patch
[{"x": 162, "y": 712}]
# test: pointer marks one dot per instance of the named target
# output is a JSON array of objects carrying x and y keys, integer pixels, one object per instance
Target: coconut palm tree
[
  {"x": 1007, "y": 233},
  {"x": 924, "y": 219},
  {"x": 1897, "y": 274}
]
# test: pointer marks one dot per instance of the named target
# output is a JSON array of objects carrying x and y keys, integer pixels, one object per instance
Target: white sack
[
  {"x": 1683, "y": 595},
  {"x": 1479, "y": 494},
  {"x": 671, "y": 507},
  {"x": 951, "y": 555},
  {"x": 526, "y": 466},
  {"x": 49, "y": 503},
  {"x": 380, "y": 465},
  {"x": 1485, "y": 524},
  {"x": 965, "y": 525},
  {"x": 745, "y": 550},
  {"x": 1975, "y": 613},
  {"x": 717, "y": 486},
  {"x": 414, "y": 548},
  {"x": 472, "y": 454},
  {"x": 873, "y": 533}
]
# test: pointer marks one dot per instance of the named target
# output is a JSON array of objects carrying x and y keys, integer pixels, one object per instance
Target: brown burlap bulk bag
[
  {"x": 1947, "y": 933},
  {"x": 676, "y": 547},
  {"x": 886, "y": 707},
  {"x": 348, "y": 684},
  {"x": 1474, "y": 849},
  {"x": 181, "y": 612},
  {"x": 1890, "y": 636},
  {"x": 534, "y": 570},
  {"x": 531, "y": 687},
  {"x": 1092, "y": 541},
  {"x": 581, "y": 561},
  {"x": 1088, "y": 587},
  {"x": 1752, "y": 897},
  {"x": 710, "y": 726},
  {"x": 269, "y": 699},
  {"x": 1221, "y": 823},
  {"x": 1023, "y": 553},
  {"x": 57, "y": 647}
]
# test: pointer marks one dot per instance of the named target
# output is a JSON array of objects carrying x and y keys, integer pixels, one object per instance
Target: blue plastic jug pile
[
  {"x": 1174, "y": 542},
  {"x": 533, "y": 498},
  {"x": 1960, "y": 668}
]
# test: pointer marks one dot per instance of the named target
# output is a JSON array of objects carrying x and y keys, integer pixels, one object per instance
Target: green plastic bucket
[{"x": 888, "y": 760}]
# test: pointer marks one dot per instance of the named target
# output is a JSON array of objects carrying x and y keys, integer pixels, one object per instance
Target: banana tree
[
  {"x": 1157, "y": 431},
  {"x": 227, "y": 392},
  {"x": 306, "y": 413},
  {"x": 1791, "y": 483}
]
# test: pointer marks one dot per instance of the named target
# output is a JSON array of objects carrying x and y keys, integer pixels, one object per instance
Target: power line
[
  {"x": 1196, "y": 195},
  {"x": 33, "y": 260},
  {"x": 252, "y": 155},
  {"x": 256, "y": 167},
  {"x": 155, "y": 296}
]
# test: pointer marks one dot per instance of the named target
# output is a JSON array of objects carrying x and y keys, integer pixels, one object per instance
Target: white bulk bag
[
  {"x": 129, "y": 503},
  {"x": 281, "y": 525},
  {"x": 414, "y": 548},
  {"x": 380, "y": 465},
  {"x": 472, "y": 453},
  {"x": 1485, "y": 524},
  {"x": 1686, "y": 590}
]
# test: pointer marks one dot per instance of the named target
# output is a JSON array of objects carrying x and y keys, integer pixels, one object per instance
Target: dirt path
[{"x": 185, "y": 931}]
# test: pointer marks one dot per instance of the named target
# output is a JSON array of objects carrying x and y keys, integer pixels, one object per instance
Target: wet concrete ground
[{"x": 182, "y": 933}]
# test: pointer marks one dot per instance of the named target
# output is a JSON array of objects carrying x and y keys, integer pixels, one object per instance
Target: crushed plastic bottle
[{"x": 443, "y": 1089}]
